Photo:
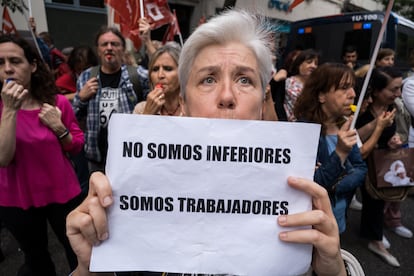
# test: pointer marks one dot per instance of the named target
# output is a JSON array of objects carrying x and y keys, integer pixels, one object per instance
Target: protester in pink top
[
  {"x": 38, "y": 129},
  {"x": 303, "y": 65}
]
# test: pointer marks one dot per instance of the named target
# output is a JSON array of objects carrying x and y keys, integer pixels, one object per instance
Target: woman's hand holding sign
[{"x": 323, "y": 235}]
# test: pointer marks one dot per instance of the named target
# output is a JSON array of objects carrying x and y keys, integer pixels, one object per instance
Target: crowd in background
[{"x": 74, "y": 92}]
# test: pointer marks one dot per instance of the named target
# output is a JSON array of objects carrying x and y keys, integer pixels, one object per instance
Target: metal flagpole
[
  {"x": 178, "y": 26},
  {"x": 33, "y": 35},
  {"x": 372, "y": 63},
  {"x": 141, "y": 8},
  {"x": 29, "y": 3}
]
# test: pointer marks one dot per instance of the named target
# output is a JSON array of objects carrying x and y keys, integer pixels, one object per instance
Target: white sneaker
[
  {"x": 403, "y": 231},
  {"x": 385, "y": 242},
  {"x": 355, "y": 204}
]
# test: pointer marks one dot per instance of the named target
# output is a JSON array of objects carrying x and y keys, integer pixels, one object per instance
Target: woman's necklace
[{"x": 170, "y": 113}]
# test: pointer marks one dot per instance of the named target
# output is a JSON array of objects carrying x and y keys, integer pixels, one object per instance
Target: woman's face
[
  {"x": 336, "y": 103},
  {"x": 13, "y": 64},
  {"x": 224, "y": 83},
  {"x": 387, "y": 95},
  {"x": 81, "y": 66},
  {"x": 386, "y": 61},
  {"x": 308, "y": 66},
  {"x": 165, "y": 72}
]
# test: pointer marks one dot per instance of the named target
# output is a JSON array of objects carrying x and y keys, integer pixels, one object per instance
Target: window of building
[
  {"x": 92, "y": 3},
  {"x": 63, "y": 1},
  {"x": 81, "y": 3}
]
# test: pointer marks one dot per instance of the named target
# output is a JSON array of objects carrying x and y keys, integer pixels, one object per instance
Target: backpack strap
[{"x": 134, "y": 78}]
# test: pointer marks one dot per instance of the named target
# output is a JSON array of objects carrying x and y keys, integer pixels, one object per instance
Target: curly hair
[{"x": 42, "y": 84}]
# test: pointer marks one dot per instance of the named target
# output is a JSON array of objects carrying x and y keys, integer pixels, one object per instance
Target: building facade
[{"x": 74, "y": 22}]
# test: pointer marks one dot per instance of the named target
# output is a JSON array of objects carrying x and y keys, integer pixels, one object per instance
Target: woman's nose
[
  {"x": 8, "y": 67},
  {"x": 161, "y": 74},
  {"x": 226, "y": 97},
  {"x": 353, "y": 92}
]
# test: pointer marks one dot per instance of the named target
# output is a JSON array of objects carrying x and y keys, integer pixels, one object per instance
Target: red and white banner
[
  {"x": 127, "y": 13},
  {"x": 172, "y": 30},
  {"x": 7, "y": 26}
]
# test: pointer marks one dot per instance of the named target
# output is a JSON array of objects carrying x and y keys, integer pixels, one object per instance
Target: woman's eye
[
  {"x": 15, "y": 60},
  {"x": 155, "y": 69},
  {"x": 244, "y": 80},
  {"x": 168, "y": 68},
  {"x": 208, "y": 80},
  {"x": 345, "y": 86}
]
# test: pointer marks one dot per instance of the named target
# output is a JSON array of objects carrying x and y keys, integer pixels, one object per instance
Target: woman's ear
[
  {"x": 322, "y": 98},
  {"x": 34, "y": 66},
  {"x": 262, "y": 111},
  {"x": 182, "y": 105}
]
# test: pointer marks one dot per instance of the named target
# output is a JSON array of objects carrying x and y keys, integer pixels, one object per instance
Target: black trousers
[
  {"x": 29, "y": 228},
  {"x": 372, "y": 217}
]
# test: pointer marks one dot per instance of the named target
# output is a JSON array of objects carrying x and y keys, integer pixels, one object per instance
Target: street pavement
[{"x": 401, "y": 248}]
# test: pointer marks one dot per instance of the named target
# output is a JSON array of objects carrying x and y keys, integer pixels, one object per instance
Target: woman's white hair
[{"x": 238, "y": 26}]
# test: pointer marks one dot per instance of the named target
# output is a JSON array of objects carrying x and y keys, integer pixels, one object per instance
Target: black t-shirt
[
  {"x": 277, "y": 88},
  {"x": 111, "y": 81}
]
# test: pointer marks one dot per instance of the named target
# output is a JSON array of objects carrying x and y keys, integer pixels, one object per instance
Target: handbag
[{"x": 390, "y": 173}]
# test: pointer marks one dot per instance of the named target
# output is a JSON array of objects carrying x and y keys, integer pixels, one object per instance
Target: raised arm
[
  {"x": 384, "y": 120},
  {"x": 12, "y": 97}
]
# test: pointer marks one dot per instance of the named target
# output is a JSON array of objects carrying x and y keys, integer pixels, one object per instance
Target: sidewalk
[{"x": 401, "y": 248}]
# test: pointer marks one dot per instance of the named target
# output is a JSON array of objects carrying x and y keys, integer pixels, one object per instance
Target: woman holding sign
[
  {"x": 224, "y": 69},
  {"x": 326, "y": 99},
  {"x": 163, "y": 74}
]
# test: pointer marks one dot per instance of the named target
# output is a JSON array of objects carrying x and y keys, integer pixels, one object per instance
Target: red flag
[
  {"x": 158, "y": 12},
  {"x": 172, "y": 30},
  {"x": 8, "y": 26},
  {"x": 294, "y": 4},
  {"x": 127, "y": 13}
]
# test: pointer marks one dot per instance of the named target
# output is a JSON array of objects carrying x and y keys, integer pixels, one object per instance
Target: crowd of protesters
[{"x": 55, "y": 109}]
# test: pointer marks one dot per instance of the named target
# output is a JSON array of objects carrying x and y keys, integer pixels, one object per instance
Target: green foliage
[
  {"x": 402, "y": 7},
  {"x": 14, "y": 5}
]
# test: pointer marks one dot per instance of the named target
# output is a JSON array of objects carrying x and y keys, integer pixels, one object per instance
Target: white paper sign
[{"x": 202, "y": 195}]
